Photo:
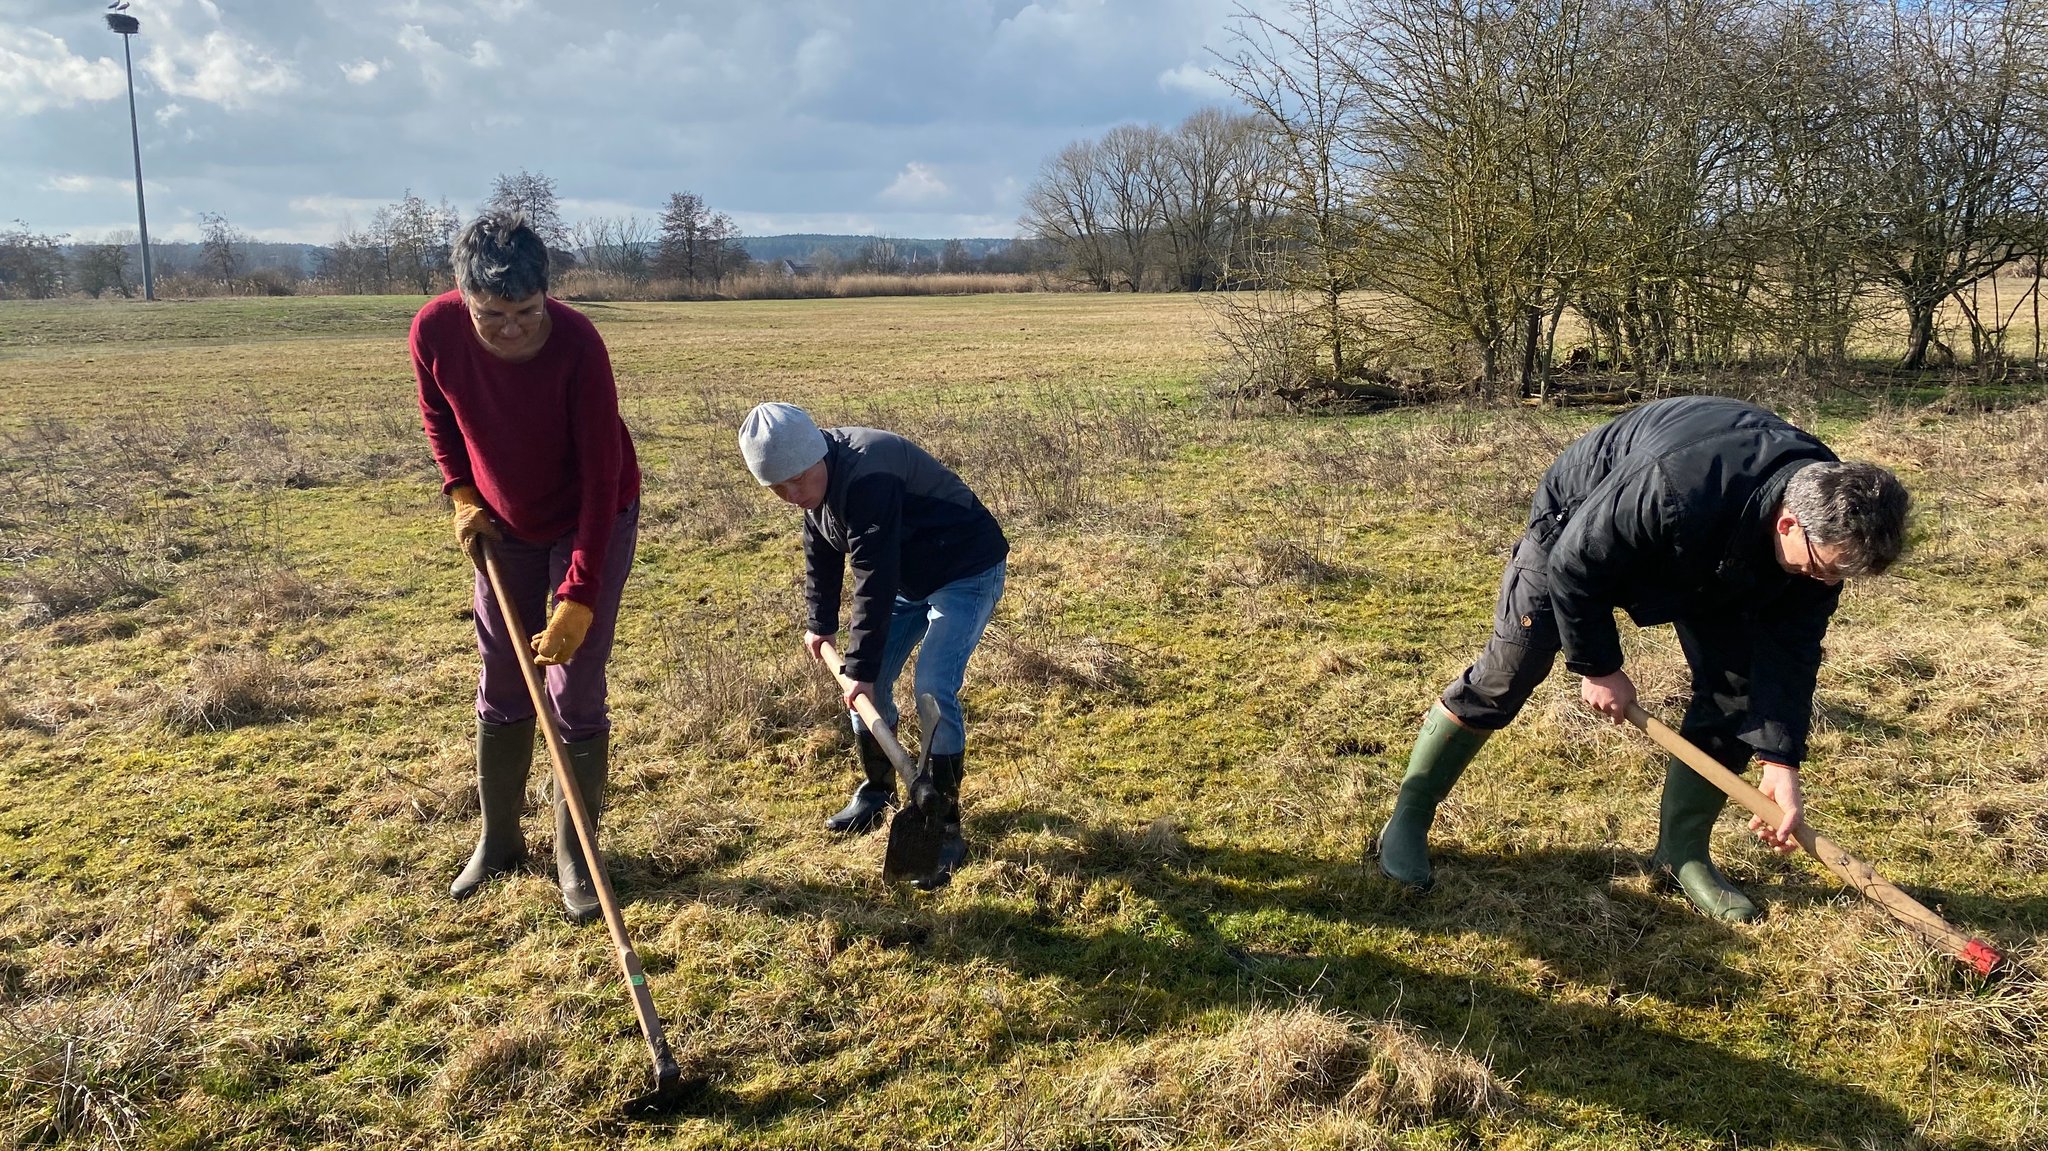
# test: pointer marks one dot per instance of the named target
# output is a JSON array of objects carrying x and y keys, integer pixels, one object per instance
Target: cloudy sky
[{"x": 289, "y": 117}]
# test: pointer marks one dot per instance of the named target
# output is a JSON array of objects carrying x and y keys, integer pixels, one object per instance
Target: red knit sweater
[{"x": 542, "y": 440}]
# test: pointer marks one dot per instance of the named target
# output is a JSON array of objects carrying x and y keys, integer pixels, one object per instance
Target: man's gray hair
[
  {"x": 499, "y": 252},
  {"x": 1855, "y": 506}
]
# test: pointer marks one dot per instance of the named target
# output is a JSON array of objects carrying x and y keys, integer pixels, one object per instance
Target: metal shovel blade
[
  {"x": 914, "y": 840},
  {"x": 918, "y": 829}
]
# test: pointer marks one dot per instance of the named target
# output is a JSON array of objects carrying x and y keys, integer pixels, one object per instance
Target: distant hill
[{"x": 803, "y": 246}]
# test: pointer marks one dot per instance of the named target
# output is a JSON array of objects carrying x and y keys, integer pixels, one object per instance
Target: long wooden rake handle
[
  {"x": 913, "y": 782},
  {"x": 665, "y": 1070},
  {"x": 1853, "y": 871}
]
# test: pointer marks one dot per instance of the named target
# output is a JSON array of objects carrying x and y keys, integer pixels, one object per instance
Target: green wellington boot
[
  {"x": 589, "y": 763},
  {"x": 1441, "y": 753},
  {"x": 1685, "y": 823},
  {"x": 504, "y": 752}
]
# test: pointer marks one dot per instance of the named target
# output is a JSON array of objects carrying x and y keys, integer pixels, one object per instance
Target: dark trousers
[
  {"x": 532, "y": 571},
  {"x": 1525, "y": 644}
]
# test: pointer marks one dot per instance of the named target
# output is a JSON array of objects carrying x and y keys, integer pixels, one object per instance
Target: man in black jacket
[
  {"x": 929, "y": 563},
  {"x": 1709, "y": 514}
]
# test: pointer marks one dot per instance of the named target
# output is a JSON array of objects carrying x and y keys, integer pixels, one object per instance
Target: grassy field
[{"x": 235, "y": 708}]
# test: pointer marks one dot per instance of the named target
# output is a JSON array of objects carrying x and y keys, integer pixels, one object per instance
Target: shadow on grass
[{"x": 1224, "y": 928}]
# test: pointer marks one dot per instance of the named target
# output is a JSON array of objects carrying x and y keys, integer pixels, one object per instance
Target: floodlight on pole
[{"x": 125, "y": 25}]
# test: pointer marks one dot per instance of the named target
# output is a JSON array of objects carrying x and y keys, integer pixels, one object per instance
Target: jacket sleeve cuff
[{"x": 1592, "y": 668}]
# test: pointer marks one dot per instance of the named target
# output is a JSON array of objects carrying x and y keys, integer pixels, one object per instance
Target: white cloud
[
  {"x": 38, "y": 71},
  {"x": 916, "y": 184},
  {"x": 437, "y": 60},
  {"x": 360, "y": 72},
  {"x": 168, "y": 113},
  {"x": 80, "y": 185},
  {"x": 217, "y": 67},
  {"x": 1192, "y": 77}
]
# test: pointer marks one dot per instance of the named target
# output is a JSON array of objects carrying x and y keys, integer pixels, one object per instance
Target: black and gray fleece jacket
[
  {"x": 907, "y": 524},
  {"x": 1667, "y": 513}
]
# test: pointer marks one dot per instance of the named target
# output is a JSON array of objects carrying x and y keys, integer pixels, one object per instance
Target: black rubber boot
[
  {"x": 946, "y": 774},
  {"x": 504, "y": 752},
  {"x": 1441, "y": 753},
  {"x": 1685, "y": 825},
  {"x": 589, "y": 763},
  {"x": 872, "y": 799}
]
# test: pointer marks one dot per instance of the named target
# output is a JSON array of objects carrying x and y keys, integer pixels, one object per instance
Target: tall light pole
[{"x": 127, "y": 26}]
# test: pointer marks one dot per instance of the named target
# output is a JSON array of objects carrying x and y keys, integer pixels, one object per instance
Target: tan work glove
[
  {"x": 566, "y": 629},
  {"x": 472, "y": 519}
]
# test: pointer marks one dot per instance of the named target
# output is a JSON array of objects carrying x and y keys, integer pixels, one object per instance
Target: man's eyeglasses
[{"x": 1825, "y": 573}]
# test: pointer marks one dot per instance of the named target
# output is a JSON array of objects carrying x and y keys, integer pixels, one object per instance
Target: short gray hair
[
  {"x": 500, "y": 253},
  {"x": 1855, "y": 506}
]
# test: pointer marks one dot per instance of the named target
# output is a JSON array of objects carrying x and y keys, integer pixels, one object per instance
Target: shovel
[
  {"x": 669, "y": 1089},
  {"x": 917, "y": 830},
  {"x": 1853, "y": 871}
]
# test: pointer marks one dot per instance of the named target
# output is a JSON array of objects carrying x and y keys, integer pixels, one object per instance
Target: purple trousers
[{"x": 531, "y": 572}]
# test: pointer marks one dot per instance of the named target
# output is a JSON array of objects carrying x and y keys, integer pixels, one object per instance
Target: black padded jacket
[{"x": 1667, "y": 513}]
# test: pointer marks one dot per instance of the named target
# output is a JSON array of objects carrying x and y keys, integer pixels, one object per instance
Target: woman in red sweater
[{"x": 517, "y": 396}]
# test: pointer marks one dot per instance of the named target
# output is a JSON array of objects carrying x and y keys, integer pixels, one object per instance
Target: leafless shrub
[
  {"x": 91, "y": 1069},
  {"x": 725, "y": 692},
  {"x": 1050, "y": 459},
  {"x": 1283, "y": 1068},
  {"x": 708, "y": 497},
  {"x": 85, "y": 583},
  {"x": 267, "y": 595},
  {"x": 229, "y": 689},
  {"x": 1038, "y": 658}
]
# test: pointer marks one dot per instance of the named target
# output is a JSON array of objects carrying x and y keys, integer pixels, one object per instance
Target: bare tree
[
  {"x": 1956, "y": 138},
  {"x": 1306, "y": 101},
  {"x": 102, "y": 265},
  {"x": 1068, "y": 207},
  {"x": 220, "y": 246},
  {"x": 534, "y": 194},
  {"x": 616, "y": 245},
  {"x": 417, "y": 237}
]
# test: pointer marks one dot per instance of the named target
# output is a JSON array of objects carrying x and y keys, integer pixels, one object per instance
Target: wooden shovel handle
[
  {"x": 1853, "y": 871},
  {"x": 586, "y": 828},
  {"x": 914, "y": 783}
]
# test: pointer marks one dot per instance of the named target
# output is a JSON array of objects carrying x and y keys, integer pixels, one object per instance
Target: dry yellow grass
[{"x": 1191, "y": 714}]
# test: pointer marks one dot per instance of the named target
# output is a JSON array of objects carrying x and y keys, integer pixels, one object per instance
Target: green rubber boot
[
  {"x": 589, "y": 763},
  {"x": 504, "y": 752},
  {"x": 1441, "y": 753},
  {"x": 1685, "y": 824}
]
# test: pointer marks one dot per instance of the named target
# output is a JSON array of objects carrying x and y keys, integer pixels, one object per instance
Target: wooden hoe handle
[
  {"x": 586, "y": 830},
  {"x": 1853, "y": 871}
]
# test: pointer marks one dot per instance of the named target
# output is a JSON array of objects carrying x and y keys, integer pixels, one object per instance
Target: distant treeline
[{"x": 688, "y": 250}]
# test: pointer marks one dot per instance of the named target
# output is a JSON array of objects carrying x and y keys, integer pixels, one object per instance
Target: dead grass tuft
[
  {"x": 692, "y": 841},
  {"x": 95, "y": 1070},
  {"x": 505, "y": 1064},
  {"x": 230, "y": 689},
  {"x": 1285, "y": 1069}
]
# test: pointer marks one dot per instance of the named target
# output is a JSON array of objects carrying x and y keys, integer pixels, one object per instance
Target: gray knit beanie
[{"x": 779, "y": 442}]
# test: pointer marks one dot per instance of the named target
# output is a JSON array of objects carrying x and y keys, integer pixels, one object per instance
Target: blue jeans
[{"x": 950, "y": 622}]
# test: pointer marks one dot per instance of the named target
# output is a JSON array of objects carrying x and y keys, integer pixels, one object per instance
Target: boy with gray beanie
[{"x": 928, "y": 562}]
